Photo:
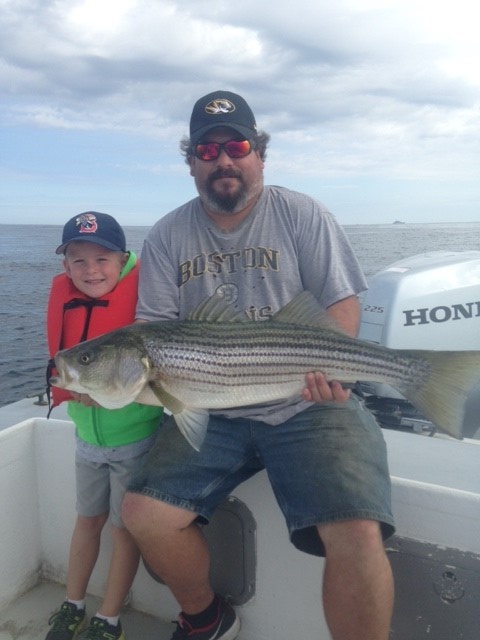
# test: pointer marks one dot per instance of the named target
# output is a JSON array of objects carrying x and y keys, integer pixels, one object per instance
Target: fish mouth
[
  {"x": 62, "y": 381},
  {"x": 65, "y": 377}
]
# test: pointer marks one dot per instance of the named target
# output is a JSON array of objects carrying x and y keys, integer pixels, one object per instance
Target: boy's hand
[
  {"x": 319, "y": 390},
  {"x": 84, "y": 398}
]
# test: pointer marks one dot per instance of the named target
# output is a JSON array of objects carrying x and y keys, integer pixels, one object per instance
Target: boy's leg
[
  {"x": 92, "y": 508},
  {"x": 92, "y": 487},
  {"x": 70, "y": 619},
  {"x": 125, "y": 555},
  {"x": 123, "y": 567},
  {"x": 84, "y": 549}
]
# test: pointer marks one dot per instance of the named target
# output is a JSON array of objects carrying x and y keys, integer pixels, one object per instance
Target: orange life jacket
[{"x": 73, "y": 317}]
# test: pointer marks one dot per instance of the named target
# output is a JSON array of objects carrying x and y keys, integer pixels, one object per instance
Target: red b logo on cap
[{"x": 87, "y": 223}]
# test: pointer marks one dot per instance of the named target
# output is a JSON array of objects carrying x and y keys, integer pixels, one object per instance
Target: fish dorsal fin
[
  {"x": 216, "y": 309},
  {"x": 305, "y": 309}
]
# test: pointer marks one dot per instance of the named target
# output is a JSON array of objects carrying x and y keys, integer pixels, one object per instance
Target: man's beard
[{"x": 228, "y": 204}]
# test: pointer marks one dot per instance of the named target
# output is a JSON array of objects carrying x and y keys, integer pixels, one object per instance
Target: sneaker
[
  {"x": 66, "y": 623},
  {"x": 99, "y": 629},
  {"x": 225, "y": 627}
]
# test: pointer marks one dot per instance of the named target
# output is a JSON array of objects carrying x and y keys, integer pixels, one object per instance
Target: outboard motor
[{"x": 427, "y": 301}]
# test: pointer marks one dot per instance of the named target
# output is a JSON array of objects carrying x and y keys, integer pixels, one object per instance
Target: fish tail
[{"x": 443, "y": 397}]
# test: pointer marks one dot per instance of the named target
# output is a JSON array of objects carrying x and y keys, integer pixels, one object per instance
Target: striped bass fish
[{"x": 218, "y": 359}]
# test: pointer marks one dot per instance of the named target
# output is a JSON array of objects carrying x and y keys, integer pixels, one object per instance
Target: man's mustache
[{"x": 224, "y": 173}]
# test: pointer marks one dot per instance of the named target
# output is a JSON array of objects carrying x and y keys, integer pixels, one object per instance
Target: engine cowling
[{"x": 426, "y": 301}]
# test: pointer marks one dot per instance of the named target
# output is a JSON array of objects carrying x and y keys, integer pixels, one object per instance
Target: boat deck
[
  {"x": 276, "y": 589},
  {"x": 27, "y": 617}
]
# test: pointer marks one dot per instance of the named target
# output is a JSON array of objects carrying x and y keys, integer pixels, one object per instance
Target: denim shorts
[
  {"x": 102, "y": 485},
  {"x": 325, "y": 464}
]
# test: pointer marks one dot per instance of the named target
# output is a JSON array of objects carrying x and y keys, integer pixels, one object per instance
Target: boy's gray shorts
[{"x": 102, "y": 485}]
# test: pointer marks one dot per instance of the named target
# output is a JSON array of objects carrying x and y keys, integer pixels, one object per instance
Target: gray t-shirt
[{"x": 288, "y": 244}]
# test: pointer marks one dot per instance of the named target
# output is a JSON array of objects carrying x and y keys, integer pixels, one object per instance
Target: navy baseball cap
[
  {"x": 91, "y": 226},
  {"x": 221, "y": 109}
]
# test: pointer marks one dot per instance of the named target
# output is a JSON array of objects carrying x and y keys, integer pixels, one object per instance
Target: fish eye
[{"x": 85, "y": 358}]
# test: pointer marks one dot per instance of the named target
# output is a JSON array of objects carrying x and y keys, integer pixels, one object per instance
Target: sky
[{"x": 373, "y": 106}]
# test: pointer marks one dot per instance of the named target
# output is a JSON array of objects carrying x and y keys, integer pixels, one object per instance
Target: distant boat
[{"x": 399, "y": 222}]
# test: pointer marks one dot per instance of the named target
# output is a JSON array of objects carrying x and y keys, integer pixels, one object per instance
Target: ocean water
[{"x": 29, "y": 262}]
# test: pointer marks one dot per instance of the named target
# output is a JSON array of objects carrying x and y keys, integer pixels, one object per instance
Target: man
[{"x": 258, "y": 247}]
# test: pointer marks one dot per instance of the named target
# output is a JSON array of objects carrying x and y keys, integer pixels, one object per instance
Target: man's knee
[
  {"x": 142, "y": 514},
  {"x": 360, "y": 535}
]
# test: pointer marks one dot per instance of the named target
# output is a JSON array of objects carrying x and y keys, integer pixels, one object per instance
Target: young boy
[{"x": 96, "y": 294}]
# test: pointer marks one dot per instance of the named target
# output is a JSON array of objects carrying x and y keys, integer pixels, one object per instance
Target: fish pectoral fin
[
  {"x": 174, "y": 405},
  {"x": 193, "y": 425},
  {"x": 148, "y": 396},
  {"x": 191, "y": 422}
]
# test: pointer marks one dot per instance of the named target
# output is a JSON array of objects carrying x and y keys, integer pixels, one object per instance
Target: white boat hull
[{"x": 436, "y": 502}]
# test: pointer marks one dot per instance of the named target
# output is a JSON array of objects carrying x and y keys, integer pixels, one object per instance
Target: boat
[{"x": 435, "y": 552}]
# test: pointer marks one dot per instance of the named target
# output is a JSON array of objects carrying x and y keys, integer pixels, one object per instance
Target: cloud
[
  {"x": 351, "y": 88},
  {"x": 317, "y": 61}
]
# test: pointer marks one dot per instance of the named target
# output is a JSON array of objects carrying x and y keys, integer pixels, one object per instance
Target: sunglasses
[{"x": 233, "y": 148}]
